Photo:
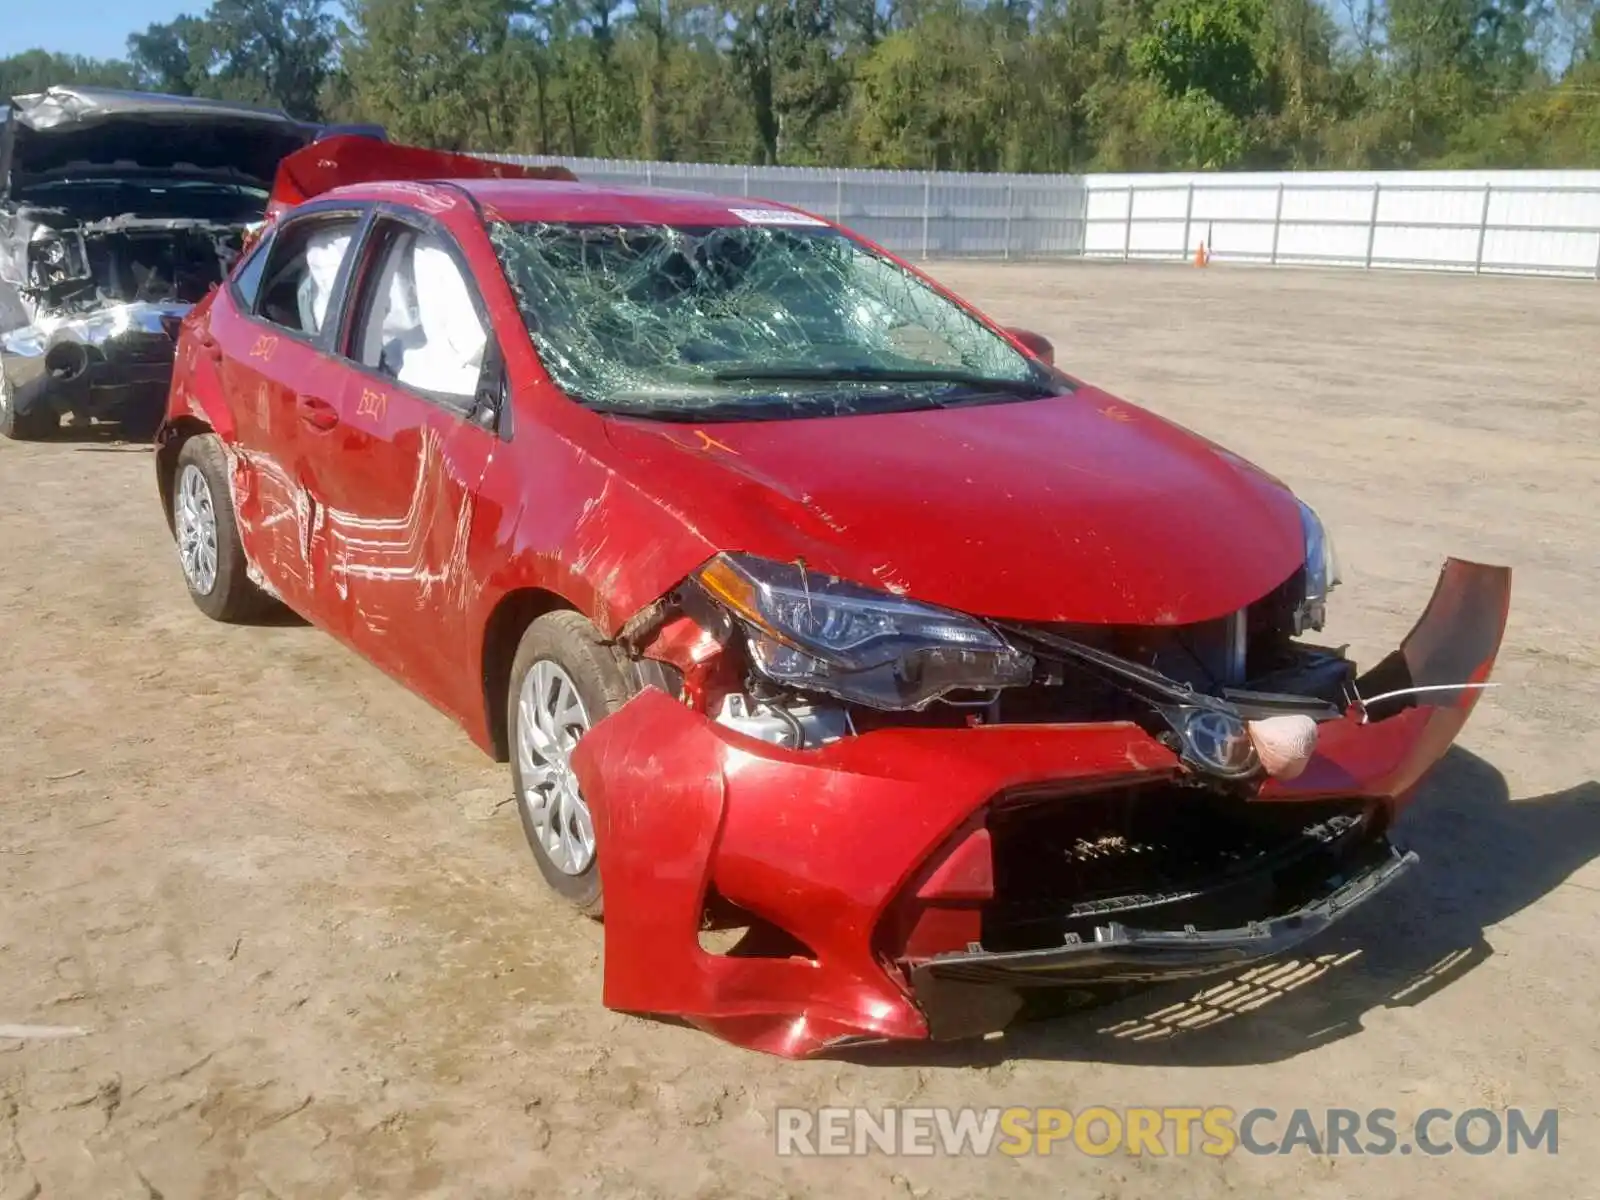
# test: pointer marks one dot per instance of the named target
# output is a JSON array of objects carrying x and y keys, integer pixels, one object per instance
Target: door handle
[
  {"x": 208, "y": 346},
  {"x": 318, "y": 414}
]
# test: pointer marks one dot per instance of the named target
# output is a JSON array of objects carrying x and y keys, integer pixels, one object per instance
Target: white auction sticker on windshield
[{"x": 774, "y": 216}]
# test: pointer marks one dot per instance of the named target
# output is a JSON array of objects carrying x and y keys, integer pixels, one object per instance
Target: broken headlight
[
  {"x": 54, "y": 258},
  {"x": 863, "y": 646},
  {"x": 1322, "y": 571}
]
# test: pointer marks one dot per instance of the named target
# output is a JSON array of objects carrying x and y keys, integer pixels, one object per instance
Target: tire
[
  {"x": 570, "y": 644},
  {"x": 33, "y": 426},
  {"x": 200, "y": 478}
]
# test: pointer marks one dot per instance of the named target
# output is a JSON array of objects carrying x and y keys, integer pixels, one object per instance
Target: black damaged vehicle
[{"x": 119, "y": 210}]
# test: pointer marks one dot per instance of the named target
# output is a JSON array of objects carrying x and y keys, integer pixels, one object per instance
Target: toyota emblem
[{"x": 1219, "y": 742}]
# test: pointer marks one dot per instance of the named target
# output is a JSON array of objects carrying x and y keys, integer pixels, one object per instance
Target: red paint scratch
[{"x": 707, "y": 442}]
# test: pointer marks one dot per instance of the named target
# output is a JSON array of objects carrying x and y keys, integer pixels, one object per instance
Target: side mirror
[{"x": 1037, "y": 344}]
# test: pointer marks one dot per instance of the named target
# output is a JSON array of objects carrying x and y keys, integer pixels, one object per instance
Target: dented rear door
[{"x": 283, "y": 387}]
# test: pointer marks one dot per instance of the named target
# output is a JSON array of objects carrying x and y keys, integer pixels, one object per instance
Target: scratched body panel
[
  {"x": 278, "y": 460},
  {"x": 399, "y": 532}
]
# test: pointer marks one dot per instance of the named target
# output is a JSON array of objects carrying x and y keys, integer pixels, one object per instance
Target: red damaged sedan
[{"x": 801, "y": 598}]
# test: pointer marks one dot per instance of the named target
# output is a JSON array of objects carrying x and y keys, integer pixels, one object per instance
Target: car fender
[
  {"x": 196, "y": 389},
  {"x": 583, "y": 531}
]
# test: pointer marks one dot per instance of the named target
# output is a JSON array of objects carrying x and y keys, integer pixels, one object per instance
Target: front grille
[{"x": 1157, "y": 855}]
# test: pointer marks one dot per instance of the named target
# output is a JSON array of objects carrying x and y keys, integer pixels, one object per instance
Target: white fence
[
  {"x": 1518, "y": 222},
  {"x": 1505, "y": 222},
  {"x": 916, "y": 214}
]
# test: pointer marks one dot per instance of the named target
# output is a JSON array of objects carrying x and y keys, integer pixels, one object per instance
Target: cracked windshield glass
[{"x": 747, "y": 322}]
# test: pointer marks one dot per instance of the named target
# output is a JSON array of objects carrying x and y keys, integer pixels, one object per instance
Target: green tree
[
  {"x": 278, "y": 52},
  {"x": 785, "y": 56},
  {"x": 1206, "y": 46},
  {"x": 35, "y": 70},
  {"x": 1015, "y": 85},
  {"x": 447, "y": 73}
]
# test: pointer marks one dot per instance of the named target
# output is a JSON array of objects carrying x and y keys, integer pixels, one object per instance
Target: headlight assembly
[
  {"x": 55, "y": 258},
  {"x": 1322, "y": 570},
  {"x": 863, "y": 646}
]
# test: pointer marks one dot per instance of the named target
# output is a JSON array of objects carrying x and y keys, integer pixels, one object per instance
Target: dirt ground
[{"x": 291, "y": 910}]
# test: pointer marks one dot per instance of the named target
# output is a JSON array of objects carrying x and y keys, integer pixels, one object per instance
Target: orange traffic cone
[{"x": 1202, "y": 256}]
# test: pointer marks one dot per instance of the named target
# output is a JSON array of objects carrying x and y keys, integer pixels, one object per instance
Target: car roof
[{"x": 598, "y": 203}]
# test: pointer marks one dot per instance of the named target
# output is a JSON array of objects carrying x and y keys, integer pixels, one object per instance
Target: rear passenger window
[
  {"x": 417, "y": 321},
  {"x": 247, "y": 280},
  {"x": 302, "y": 268}
]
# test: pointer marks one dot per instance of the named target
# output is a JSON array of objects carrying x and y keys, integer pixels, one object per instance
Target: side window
[
  {"x": 300, "y": 272},
  {"x": 247, "y": 279},
  {"x": 417, "y": 322}
]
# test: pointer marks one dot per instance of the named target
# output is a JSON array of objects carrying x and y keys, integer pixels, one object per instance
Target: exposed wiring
[
  {"x": 799, "y": 730},
  {"x": 1365, "y": 702},
  {"x": 805, "y": 586}
]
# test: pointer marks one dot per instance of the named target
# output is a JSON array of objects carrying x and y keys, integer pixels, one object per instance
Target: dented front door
[
  {"x": 400, "y": 521},
  {"x": 401, "y": 505}
]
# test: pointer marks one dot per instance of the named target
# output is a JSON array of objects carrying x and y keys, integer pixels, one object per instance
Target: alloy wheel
[
  {"x": 550, "y": 720},
  {"x": 197, "y": 530}
]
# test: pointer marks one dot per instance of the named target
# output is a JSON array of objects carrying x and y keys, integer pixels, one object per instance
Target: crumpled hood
[
  {"x": 63, "y": 127},
  {"x": 1078, "y": 508}
]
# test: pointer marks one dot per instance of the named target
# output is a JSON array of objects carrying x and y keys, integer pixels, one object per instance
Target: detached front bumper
[
  {"x": 95, "y": 364},
  {"x": 969, "y": 993},
  {"x": 873, "y": 857}
]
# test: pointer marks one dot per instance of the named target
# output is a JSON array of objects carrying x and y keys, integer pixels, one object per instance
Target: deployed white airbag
[
  {"x": 448, "y": 355},
  {"x": 325, "y": 251}
]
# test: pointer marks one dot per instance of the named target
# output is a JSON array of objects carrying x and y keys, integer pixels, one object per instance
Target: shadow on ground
[
  {"x": 137, "y": 435},
  {"x": 1484, "y": 857}
]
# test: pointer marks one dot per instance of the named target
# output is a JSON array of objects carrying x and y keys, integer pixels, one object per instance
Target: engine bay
[
  {"x": 72, "y": 249},
  {"x": 124, "y": 260},
  {"x": 174, "y": 263}
]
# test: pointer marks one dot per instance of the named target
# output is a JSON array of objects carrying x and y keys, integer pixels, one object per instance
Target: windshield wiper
[
  {"x": 794, "y": 408},
  {"x": 697, "y": 414},
  {"x": 870, "y": 374}
]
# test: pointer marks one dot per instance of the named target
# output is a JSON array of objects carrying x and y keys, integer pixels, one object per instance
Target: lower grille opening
[{"x": 1161, "y": 856}]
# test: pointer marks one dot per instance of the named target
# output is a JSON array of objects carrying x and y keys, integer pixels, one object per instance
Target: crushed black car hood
[{"x": 61, "y": 129}]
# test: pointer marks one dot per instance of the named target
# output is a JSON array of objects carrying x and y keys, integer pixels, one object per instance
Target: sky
[{"x": 94, "y": 28}]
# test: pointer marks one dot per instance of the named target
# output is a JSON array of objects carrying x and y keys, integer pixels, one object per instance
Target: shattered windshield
[{"x": 747, "y": 322}]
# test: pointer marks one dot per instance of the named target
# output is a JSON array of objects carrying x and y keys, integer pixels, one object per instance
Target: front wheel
[
  {"x": 564, "y": 681},
  {"x": 32, "y": 426},
  {"x": 203, "y": 523}
]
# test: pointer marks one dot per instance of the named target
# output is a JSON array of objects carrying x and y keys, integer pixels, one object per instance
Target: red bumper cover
[{"x": 820, "y": 843}]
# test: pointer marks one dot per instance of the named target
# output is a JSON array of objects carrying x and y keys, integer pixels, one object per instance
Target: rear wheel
[
  {"x": 564, "y": 681},
  {"x": 209, "y": 549}
]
